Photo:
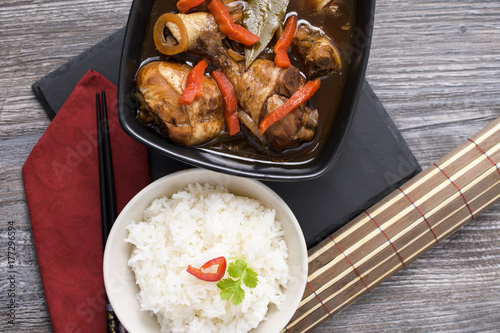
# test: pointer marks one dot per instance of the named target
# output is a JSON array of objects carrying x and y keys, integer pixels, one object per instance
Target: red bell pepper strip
[
  {"x": 299, "y": 97},
  {"x": 283, "y": 44},
  {"x": 194, "y": 84},
  {"x": 185, "y": 6},
  {"x": 230, "y": 102},
  {"x": 201, "y": 273},
  {"x": 232, "y": 30}
]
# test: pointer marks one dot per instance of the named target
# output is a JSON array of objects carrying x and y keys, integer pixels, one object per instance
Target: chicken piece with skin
[
  {"x": 299, "y": 124},
  {"x": 161, "y": 85},
  {"x": 315, "y": 51},
  {"x": 263, "y": 88}
]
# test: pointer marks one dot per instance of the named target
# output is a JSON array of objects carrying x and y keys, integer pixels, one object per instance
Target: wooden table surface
[{"x": 435, "y": 65}]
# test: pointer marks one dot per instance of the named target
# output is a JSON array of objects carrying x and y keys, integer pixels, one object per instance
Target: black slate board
[{"x": 374, "y": 161}]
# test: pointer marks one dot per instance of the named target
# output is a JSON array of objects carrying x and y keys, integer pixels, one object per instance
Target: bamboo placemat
[{"x": 397, "y": 230}]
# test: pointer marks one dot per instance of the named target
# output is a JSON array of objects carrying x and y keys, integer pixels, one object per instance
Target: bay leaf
[{"x": 262, "y": 17}]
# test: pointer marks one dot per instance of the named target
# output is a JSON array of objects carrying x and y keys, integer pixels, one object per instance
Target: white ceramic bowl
[{"x": 119, "y": 279}]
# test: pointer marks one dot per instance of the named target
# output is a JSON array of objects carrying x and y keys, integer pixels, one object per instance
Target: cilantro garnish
[{"x": 231, "y": 288}]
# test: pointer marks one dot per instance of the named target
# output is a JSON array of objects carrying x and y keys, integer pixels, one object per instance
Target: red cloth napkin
[{"x": 61, "y": 180}]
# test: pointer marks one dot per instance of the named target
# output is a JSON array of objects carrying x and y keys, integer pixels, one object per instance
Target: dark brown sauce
[{"x": 326, "y": 100}]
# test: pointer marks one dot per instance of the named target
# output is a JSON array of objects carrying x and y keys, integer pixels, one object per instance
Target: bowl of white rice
[{"x": 186, "y": 219}]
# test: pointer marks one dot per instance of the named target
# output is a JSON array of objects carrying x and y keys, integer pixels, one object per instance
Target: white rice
[{"x": 195, "y": 225}]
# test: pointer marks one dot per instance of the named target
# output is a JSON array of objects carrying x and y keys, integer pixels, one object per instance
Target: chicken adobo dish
[{"x": 257, "y": 79}]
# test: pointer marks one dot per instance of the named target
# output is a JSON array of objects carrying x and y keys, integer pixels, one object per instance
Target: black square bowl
[{"x": 272, "y": 171}]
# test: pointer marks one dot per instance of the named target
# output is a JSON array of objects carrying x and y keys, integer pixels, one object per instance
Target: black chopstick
[
  {"x": 106, "y": 176},
  {"x": 107, "y": 190}
]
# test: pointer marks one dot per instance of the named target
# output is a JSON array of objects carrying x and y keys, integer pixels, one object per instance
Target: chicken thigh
[{"x": 161, "y": 84}]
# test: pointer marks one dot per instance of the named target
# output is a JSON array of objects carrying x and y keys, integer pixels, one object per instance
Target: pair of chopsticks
[{"x": 107, "y": 190}]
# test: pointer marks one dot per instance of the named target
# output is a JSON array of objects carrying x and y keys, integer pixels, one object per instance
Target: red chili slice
[
  {"x": 281, "y": 48},
  {"x": 228, "y": 27},
  {"x": 194, "y": 84},
  {"x": 185, "y": 6},
  {"x": 201, "y": 273},
  {"x": 230, "y": 102}
]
